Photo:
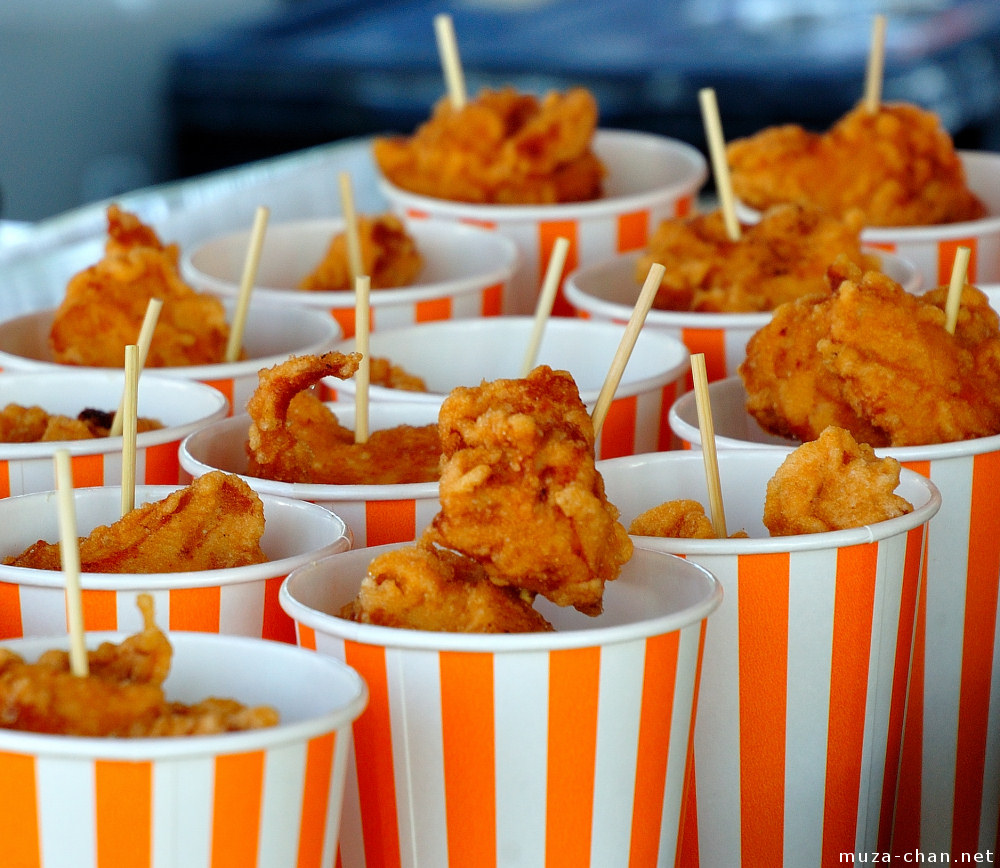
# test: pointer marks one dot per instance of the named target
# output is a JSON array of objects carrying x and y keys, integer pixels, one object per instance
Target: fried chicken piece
[
  {"x": 295, "y": 437},
  {"x": 105, "y": 304},
  {"x": 422, "y": 587},
  {"x": 832, "y": 483},
  {"x": 898, "y": 165},
  {"x": 679, "y": 519},
  {"x": 213, "y": 524},
  {"x": 502, "y": 147},
  {"x": 382, "y": 372},
  {"x": 879, "y": 362},
  {"x": 389, "y": 257},
  {"x": 19, "y": 424},
  {"x": 122, "y": 696},
  {"x": 783, "y": 257},
  {"x": 520, "y": 492}
]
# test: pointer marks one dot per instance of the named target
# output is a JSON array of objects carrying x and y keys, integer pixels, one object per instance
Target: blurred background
[{"x": 100, "y": 97}]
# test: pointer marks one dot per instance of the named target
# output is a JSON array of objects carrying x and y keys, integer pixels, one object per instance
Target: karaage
[
  {"x": 105, "y": 304},
  {"x": 502, "y": 147},
  {"x": 214, "y": 523},
  {"x": 19, "y": 424},
  {"x": 898, "y": 165},
  {"x": 520, "y": 492}
]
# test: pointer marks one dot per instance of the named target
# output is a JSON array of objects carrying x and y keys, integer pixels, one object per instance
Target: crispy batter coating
[
  {"x": 389, "y": 257},
  {"x": 680, "y": 519},
  {"x": 382, "y": 372},
  {"x": 295, "y": 437},
  {"x": 784, "y": 256},
  {"x": 19, "y": 424},
  {"x": 898, "y": 165},
  {"x": 105, "y": 304},
  {"x": 832, "y": 483},
  {"x": 213, "y": 524},
  {"x": 879, "y": 362},
  {"x": 520, "y": 492},
  {"x": 121, "y": 697},
  {"x": 502, "y": 147},
  {"x": 423, "y": 587}
]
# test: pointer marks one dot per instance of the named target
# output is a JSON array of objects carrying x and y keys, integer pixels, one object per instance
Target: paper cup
[
  {"x": 608, "y": 291},
  {"x": 450, "y": 354},
  {"x": 932, "y": 249},
  {"x": 182, "y": 406},
  {"x": 272, "y": 335},
  {"x": 375, "y": 514},
  {"x": 267, "y": 797},
  {"x": 650, "y": 178},
  {"x": 239, "y": 600},
  {"x": 562, "y": 748},
  {"x": 949, "y": 790},
  {"x": 465, "y": 272},
  {"x": 800, "y": 712}
]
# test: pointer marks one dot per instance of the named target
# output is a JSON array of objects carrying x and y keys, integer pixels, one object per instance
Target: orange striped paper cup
[
  {"x": 464, "y": 353},
  {"x": 239, "y": 600},
  {"x": 269, "y": 798},
  {"x": 181, "y": 406},
  {"x": 374, "y": 514},
  {"x": 465, "y": 272},
  {"x": 949, "y": 784},
  {"x": 932, "y": 248},
  {"x": 607, "y": 291},
  {"x": 273, "y": 333},
  {"x": 567, "y": 748},
  {"x": 803, "y": 690},
  {"x": 649, "y": 178}
]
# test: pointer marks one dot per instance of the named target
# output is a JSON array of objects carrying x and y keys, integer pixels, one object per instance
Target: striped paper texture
[{"x": 564, "y": 758}]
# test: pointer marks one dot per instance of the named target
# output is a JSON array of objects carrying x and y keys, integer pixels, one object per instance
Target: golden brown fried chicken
[
  {"x": 295, "y": 437},
  {"x": 422, "y": 587},
  {"x": 105, "y": 305},
  {"x": 898, "y": 165},
  {"x": 502, "y": 147},
  {"x": 520, "y": 492},
  {"x": 879, "y": 362},
  {"x": 382, "y": 372},
  {"x": 674, "y": 518},
  {"x": 784, "y": 256},
  {"x": 214, "y": 523},
  {"x": 121, "y": 696},
  {"x": 20, "y": 424},
  {"x": 832, "y": 483},
  {"x": 389, "y": 257}
]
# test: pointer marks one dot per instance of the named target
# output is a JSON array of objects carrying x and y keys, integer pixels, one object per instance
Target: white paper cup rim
[
  {"x": 209, "y": 646},
  {"x": 590, "y": 633},
  {"x": 500, "y": 257},
  {"x": 672, "y": 357},
  {"x": 178, "y": 390},
  {"x": 922, "y": 512},
  {"x": 693, "y": 177},
  {"x": 680, "y": 319},
  {"x": 179, "y": 580},
  {"x": 682, "y": 408}
]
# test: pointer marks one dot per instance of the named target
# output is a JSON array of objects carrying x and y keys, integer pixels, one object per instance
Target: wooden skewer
[
  {"x": 876, "y": 65},
  {"x": 362, "y": 376},
  {"x": 720, "y": 166},
  {"x": 246, "y": 284},
  {"x": 351, "y": 227},
  {"x": 547, "y": 297},
  {"x": 707, "y": 428},
  {"x": 631, "y": 335},
  {"x": 130, "y": 414},
  {"x": 444, "y": 29},
  {"x": 145, "y": 339},
  {"x": 959, "y": 270},
  {"x": 69, "y": 550}
]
